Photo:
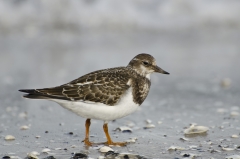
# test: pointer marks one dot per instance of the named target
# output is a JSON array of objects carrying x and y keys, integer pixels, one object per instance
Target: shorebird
[{"x": 106, "y": 95}]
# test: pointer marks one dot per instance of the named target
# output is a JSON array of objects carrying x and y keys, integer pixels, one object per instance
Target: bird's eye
[{"x": 145, "y": 63}]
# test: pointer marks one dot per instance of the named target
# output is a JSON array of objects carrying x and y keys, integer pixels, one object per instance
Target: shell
[
  {"x": 233, "y": 157},
  {"x": 227, "y": 149},
  {"x": 105, "y": 149},
  {"x": 193, "y": 129},
  {"x": 175, "y": 148},
  {"x": 234, "y": 136},
  {"x": 9, "y": 137},
  {"x": 123, "y": 129},
  {"x": 31, "y": 156},
  {"x": 132, "y": 140},
  {"x": 46, "y": 150},
  {"x": 24, "y": 127},
  {"x": 149, "y": 126}
]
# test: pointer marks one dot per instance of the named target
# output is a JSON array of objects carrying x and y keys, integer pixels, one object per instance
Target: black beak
[{"x": 159, "y": 70}]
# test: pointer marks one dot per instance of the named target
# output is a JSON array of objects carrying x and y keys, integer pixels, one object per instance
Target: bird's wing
[{"x": 104, "y": 86}]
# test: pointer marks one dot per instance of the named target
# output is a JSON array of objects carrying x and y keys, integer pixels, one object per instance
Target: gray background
[{"x": 48, "y": 43}]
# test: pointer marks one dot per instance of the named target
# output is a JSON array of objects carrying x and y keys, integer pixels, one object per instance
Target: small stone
[
  {"x": 132, "y": 140},
  {"x": 34, "y": 153},
  {"x": 70, "y": 133},
  {"x": 9, "y": 138},
  {"x": 79, "y": 155},
  {"x": 6, "y": 157},
  {"x": 58, "y": 148},
  {"x": 37, "y": 137},
  {"x": 227, "y": 149},
  {"x": 46, "y": 131},
  {"x": 32, "y": 156},
  {"x": 148, "y": 121},
  {"x": 183, "y": 139},
  {"x": 159, "y": 122}
]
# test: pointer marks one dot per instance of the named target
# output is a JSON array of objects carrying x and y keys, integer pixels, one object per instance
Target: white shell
[
  {"x": 234, "y": 136},
  {"x": 148, "y": 121},
  {"x": 175, "y": 148},
  {"x": 132, "y": 140},
  {"x": 32, "y": 156},
  {"x": 193, "y": 129},
  {"x": 233, "y": 157},
  {"x": 105, "y": 149},
  {"x": 159, "y": 122},
  {"x": 234, "y": 113},
  {"x": 9, "y": 137},
  {"x": 24, "y": 127},
  {"x": 148, "y": 126},
  {"x": 227, "y": 149},
  {"x": 58, "y": 148},
  {"x": 34, "y": 153},
  {"x": 226, "y": 82},
  {"x": 183, "y": 139},
  {"x": 123, "y": 129},
  {"x": 46, "y": 150}
]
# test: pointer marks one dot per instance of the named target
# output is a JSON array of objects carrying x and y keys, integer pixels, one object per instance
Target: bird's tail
[{"x": 33, "y": 94}]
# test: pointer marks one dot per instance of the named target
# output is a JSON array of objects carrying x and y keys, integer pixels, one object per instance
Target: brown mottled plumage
[{"x": 92, "y": 95}]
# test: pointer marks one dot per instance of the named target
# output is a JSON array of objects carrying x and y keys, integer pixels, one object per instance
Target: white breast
[{"x": 101, "y": 111}]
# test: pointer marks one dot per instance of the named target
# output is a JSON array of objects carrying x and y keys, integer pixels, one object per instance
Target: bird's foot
[
  {"x": 116, "y": 143},
  {"x": 87, "y": 142}
]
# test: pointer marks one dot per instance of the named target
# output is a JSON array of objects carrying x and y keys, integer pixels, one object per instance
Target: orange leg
[
  {"x": 86, "y": 140},
  {"x": 109, "y": 140}
]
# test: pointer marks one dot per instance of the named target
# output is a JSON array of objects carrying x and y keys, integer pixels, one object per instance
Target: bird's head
[{"x": 145, "y": 64}]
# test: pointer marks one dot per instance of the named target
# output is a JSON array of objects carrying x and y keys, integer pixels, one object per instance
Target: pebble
[
  {"x": 9, "y": 138},
  {"x": 105, "y": 149},
  {"x": 148, "y": 121},
  {"x": 189, "y": 155},
  {"x": 37, "y": 137},
  {"x": 79, "y": 155},
  {"x": 35, "y": 153},
  {"x": 227, "y": 149},
  {"x": 24, "y": 127},
  {"x": 6, "y": 157},
  {"x": 149, "y": 126}
]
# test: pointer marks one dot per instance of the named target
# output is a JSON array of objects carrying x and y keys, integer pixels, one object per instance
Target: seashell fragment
[
  {"x": 233, "y": 157},
  {"x": 132, "y": 140},
  {"x": 24, "y": 127},
  {"x": 9, "y": 138},
  {"x": 149, "y": 126},
  {"x": 148, "y": 121},
  {"x": 183, "y": 139},
  {"x": 46, "y": 150},
  {"x": 234, "y": 113},
  {"x": 37, "y": 137},
  {"x": 34, "y": 153},
  {"x": 227, "y": 149},
  {"x": 234, "y": 136},
  {"x": 31, "y": 156},
  {"x": 193, "y": 129},
  {"x": 123, "y": 129},
  {"x": 226, "y": 82},
  {"x": 175, "y": 148},
  {"x": 105, "y": 149}
]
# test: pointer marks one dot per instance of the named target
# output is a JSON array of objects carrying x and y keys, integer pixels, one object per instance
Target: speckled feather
[{"x": 104, "y": 86}]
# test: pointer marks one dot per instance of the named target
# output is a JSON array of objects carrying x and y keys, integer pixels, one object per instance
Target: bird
[{"x": 106, "y": 95}]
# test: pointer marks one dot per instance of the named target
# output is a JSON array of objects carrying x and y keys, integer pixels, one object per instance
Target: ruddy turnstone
[{"x": 106, "y": 95}]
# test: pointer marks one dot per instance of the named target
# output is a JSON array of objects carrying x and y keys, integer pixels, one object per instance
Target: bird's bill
[{"x": 159, "y": 70}]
